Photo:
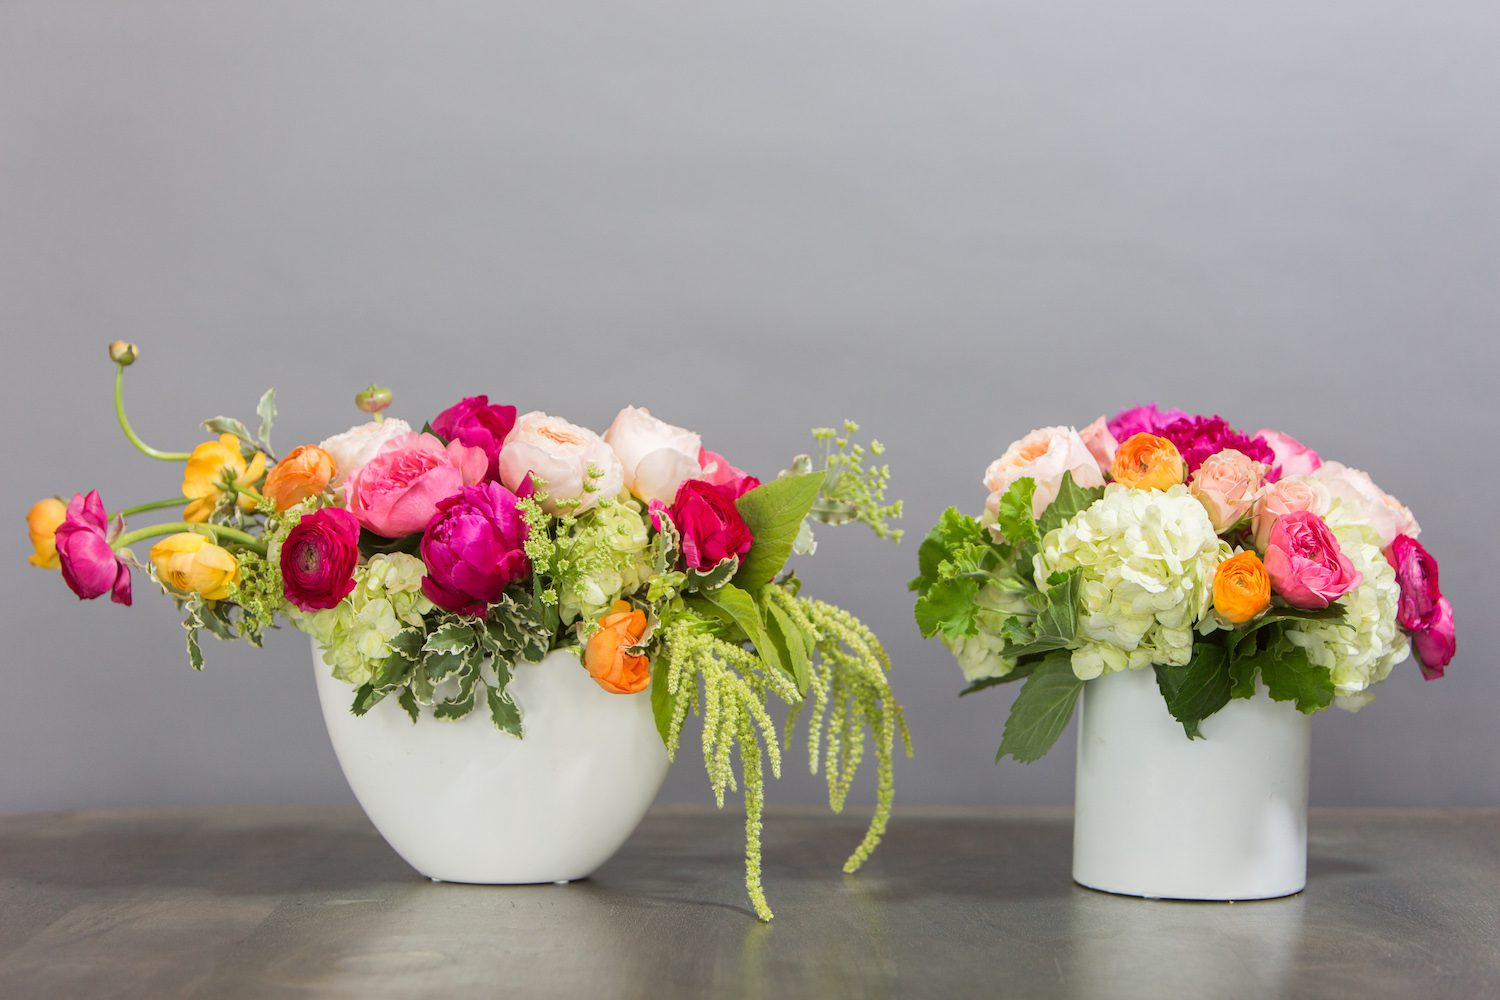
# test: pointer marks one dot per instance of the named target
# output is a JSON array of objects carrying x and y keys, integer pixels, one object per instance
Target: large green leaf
[
  {"x": 1290, "y": 676},
  {"x": 1056, "y": 623},
  {"x": 1042, "y": 710},
  {"x": 1071, "y": 498},
  {"x": 1198, "y": 688},
  {"x": 734, "y": 606},
  {"x": 792, "y": 643},
  {"x": 661, "y": 698},
  {"x": 774, "y": 511},
  {"x": 1015, "y": 517},
  {"x": 948, "y": 607}
]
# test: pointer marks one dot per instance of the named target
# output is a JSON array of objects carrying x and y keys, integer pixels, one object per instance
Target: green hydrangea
[
  {"x": 600, "y": 557},
  {"x": 357, "y": 634},
  {"x": 1148, "y": 559},
  {"x": 980, "y": 655},
  {"x": 1360, "y": 650}
]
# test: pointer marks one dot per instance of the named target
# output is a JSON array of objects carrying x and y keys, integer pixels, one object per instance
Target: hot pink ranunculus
[
  {"x": 1293, "y": 457},
  {"x": 1306, "y": 565},
  {"x": 397, "y": 492},
  {"x": 717, "y": 470},
  {"x": 318, "y": 559},
  {"x": 478, "y": 423},
  {"x": 90, "y": 566},
  {"x": 1436, "y": 644},
  {"x": 710, "y": 524},
  {"x": 474, "y": 548},
  {"x": 1417, "y": 573}
]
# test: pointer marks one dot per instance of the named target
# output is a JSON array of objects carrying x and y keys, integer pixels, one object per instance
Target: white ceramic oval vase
[
  {"x": 1162, "y": 816},
  {"x": 461, "y": 801}
]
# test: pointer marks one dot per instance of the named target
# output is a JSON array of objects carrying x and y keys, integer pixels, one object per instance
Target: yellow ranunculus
[
  {"x": 41, "y": 523},
  {"x": 191, "y": 564},
  {"x": 205, "y": 471}
]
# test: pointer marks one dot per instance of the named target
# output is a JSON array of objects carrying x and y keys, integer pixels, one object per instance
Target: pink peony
[
  {"x": 1100, "y": 443},
  {"x": 1227, "y": 484},
  {"x": 1417, "y": 572},
  {"x": 710, "y": 524},
  {"x": 1285, "y": 496},
  {"x": 717, "y": 471},
  {"x": 1293, "y": 457},
  {"x": 1306, "y": 565},
  {"x": 1436, "y": 645},
  {"x": 90, "y": 566},
  {"x": 476, "y": 422},
  {"x": 318, "y": 559},
  {"x": 397, "y": 492},
  {"x": 474, "y": 548}
]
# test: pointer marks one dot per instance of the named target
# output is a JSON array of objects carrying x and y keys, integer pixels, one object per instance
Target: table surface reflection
[{"x": 278, "y": 902}]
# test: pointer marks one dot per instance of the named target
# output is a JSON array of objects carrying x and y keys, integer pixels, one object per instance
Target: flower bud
[
  {"x": 374, "y": 399},
  {"x": 123, "y": 352}
]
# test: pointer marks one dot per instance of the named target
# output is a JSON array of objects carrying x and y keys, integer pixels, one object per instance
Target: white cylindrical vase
[
  {"x": 462, "y": 801},
  {"x": 1164, "y": 817}
]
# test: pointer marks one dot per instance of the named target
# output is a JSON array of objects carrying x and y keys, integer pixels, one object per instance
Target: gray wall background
[{"x": 953, "y": 221}]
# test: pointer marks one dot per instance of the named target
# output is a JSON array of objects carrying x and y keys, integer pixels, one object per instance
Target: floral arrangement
[
  {"x": 1221, "y": 560},
  {"x": 428, "y": 563}
]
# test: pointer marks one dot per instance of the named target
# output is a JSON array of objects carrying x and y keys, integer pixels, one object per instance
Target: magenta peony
[
  {"x": 90, "y": 566},
  {"x": 474, "y": 548},
  {"x": 1417, "y": 573},
  {"x": 1436, "y": 644},
  {"x": 1307, "y": 567},
  {"x": 318, "y": 559},
  {"x": 711, "y": 526},
  {"x": 718, "y": 471},
  {"x": 1141, "y": 420},
  {"x": 476, "y": 422},
  {"x": 397, "y": 492}
]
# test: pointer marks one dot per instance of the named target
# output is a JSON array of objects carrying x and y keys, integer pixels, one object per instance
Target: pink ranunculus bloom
[
  {"x": 318, "y": 559},
  {"x": 1293, "y": 457},
  {"x": 655, "y": 457},
  {"x": 90, "y": 566},
  {"x": 1436, "y": 644},
  {"x": 1100, "y": 443},
  {"x": 1306, "y": 565},
  {"x": 1042, "y": 456},
  {"x": 711, "y": 526},
  {"x": 478, "y": 423},
  {"x": 1141, "y": 420},
  {"x": 474, "y": 548},
  {"x": 397, "y": 492},
  {"x": 717, "y": 470},
  {"x": 1286, "y": 495},
  {"x": 1228, "y": 484},
  {"x": 1371, "y": 505},
  {"x": 1417, "y": 573}
]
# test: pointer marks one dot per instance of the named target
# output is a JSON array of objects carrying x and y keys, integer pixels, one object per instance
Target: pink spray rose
[
  {"x": 711, "y": 526},
  {"x": 318, "y": 559},
  {"x": 90, "y": 567},
  {"x": 1436, "y": 644},
  {"x": 718, "y": 471},
  {"x": 1227, "y": 484},
  {"x": 476, "y": 422},
  {"x": 1293, "y": 457},
  {"x": 656, "y": 457},
  {"x": 1306, "y": 565},
  {"x": 1285, "y": 496},
  {"x": 1417, "y": 573},
  {"x": 1100, "y": 443},
  {"x": 1042, "y": 456},
  {"x": 474, "y": 548},
  {"x": 1369, "y": 503},
  {"x": 560, "y": 455},
  {"x": 397, "y": 491}
]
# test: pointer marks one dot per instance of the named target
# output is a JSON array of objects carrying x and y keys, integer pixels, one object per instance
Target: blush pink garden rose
[
  {"x": 1435, "y": 646},
  {"x": 474, "y": 548},
  {"x": 1042, "y": 456},
  {"x": 717, "y": 470},
  {"x": 397, "y": 492},
  {"x": 1100, "y": 443},
  {"x": 1293, "y": 457},
  {"x": 356, "y": 446},
  {"x": 1306, "y": 565},
  {"x": 1368, "y": 503},
  {"x": 1286, "y": 496},
  {"x": 478, "y": 423},
  {"x": 90, "y": 566},
  {"x": 1228, "y": 484},
  {"x": 558, "y": 456},
  {"x": 655, "y": 457}
]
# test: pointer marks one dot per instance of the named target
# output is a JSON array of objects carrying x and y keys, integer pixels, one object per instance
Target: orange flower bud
[
  {"x": 612, "y": 667},
  {"x": 304, "y": 472},
  {"x": 1148, "y": 462},
  {"x": 41, "y": 524},
  {"x": 189, "y": 563},
  {"x": 1242, "y": 588}
]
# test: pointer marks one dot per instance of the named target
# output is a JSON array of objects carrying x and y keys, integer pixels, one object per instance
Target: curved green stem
[
  {"x": 242, "y": 491},
  {"x": 130, "y": 434},
  {"x": 219, "y": 531},
  {"x": 141, "y": 508}
]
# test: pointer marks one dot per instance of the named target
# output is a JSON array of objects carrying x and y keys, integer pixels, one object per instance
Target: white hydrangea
[
  {"x": 1148, "y": 559},
  {"x": 979, "y": 656},
  {"x": 1360, "y": 650},
  {"x": 357, "y": 634}
]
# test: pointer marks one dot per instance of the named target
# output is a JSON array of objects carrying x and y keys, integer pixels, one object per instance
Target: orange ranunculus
[
  {"x": 205, "y": 471},
  {"x": 41, "y": 523},
  {"x": 1242, "y": 588},
  {"x": 189, "y": 563},
  {"x": 1148, "y": 462},
  {"x": 304, "y": 472},
  {"x": 612, "y": 667}
]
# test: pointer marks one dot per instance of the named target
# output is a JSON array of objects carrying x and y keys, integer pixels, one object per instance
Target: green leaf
[
  {"x": 661, "y": 699},
  {"x": 450, "y": 637},
  {"x": 438, "y": 667},
  {"x": 462, "y": 703},
  {"x": 266, "y": 410},
  {"x": 948, "y": 607},
  {"x": 409, "y": 704},
  {"x": 792, "y": 643},
  {"x": 1197, "y": 689},
  {"x": 1056, "y": 623},
  {"x": 1019, "y": 673},
  {"x": 194, "y": 648},
  {"x": 1015, "y": 517},
  {"x": 1071, "y": 498},
  {"x": 956, "y": 545},
  {"x": 714, "y": 578},
  {"x": 774, "y": 512},
  {"x": 1290, "y": 676},
  {"x": 731, "y": 604},
  {"x": 407, "y": 643},
  {"x": 1041, "y": 711},
  {"x": 229, "y": 425},
  {"x": 366, "y": 698},
  {"x": 503, "y": 710}
]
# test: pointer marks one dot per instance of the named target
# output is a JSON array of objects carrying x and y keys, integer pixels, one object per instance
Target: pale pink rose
[
  {"x": 559, "y": 456},
  {"x": 1227, "y": 484},
  {"x": 397, "y": 492},
  {"x": 1369, "y": 503},
  {"x": 655, "y": 456},
  {"x": 1287, "y": 496},
  {"x": 1293, "y": 457},
  {"x": 1042, "y": 456},
  {"x": 1100, "y": 443},
  {"x": 356, "y": 446}
]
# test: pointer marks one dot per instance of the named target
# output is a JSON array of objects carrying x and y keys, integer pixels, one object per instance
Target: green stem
[
  {"x": 242, "y": 491},
  {"x": 219, "y": 531},
  {"x": 130, "y": 434},
  {"x": 141, "y": 508}
]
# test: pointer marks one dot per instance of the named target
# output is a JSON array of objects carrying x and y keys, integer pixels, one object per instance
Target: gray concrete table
[{"x": 285, "y": 902}]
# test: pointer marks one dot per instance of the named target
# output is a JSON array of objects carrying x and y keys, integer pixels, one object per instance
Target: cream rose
[
  {"x": 560, "y": 455},
  {"x": 1357, "y": 500},
  {"x": 355, "y": 447},
  {"x": 1042, "y": 456},
  {"x": 1287, "y": 495},
  {"x": 1226, "y": 484},
  {"x": 656, "y": 457}
]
